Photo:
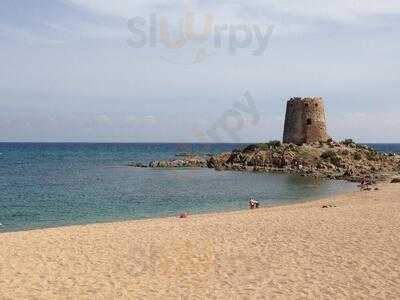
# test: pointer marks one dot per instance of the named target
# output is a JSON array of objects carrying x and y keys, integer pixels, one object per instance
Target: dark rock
[
  {"x": 329, "y": 206},
  {"x": 192, "y": 162}
]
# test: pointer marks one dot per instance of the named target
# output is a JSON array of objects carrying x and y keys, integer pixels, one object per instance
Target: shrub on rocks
[
  {"x": 251, "y": 148},
  {"x": 275, "y": 144},
  {"x": 345, "y": 152},
  {"x": 372, "y": 155},
  {"x": 263, "y": 146},
  {"x": 331, "y": 156},
  {"x": 348, "y": 142}
]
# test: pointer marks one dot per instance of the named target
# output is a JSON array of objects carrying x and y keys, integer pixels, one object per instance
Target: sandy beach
[{"x": 349, "y": 250}]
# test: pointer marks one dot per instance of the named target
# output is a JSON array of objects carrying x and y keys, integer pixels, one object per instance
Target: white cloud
[
  {"x": 131, "y": 120},
  {"x": 118, "y": 8},
  {"x": 103, "y": 119},
  {"x": 344, "y": 10},
  {"x": 289, "y": 17},
  {"x": 356, "y": 116},
  {"x": 369, "y": 127},
  {"x": 141, "y": 120},
  {"x": 149, "y": 120}
]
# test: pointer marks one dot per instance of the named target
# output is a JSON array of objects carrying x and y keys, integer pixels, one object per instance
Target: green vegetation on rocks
[
  {"x": 332, "y": 157},
  {"x": 345, "y": 160}
]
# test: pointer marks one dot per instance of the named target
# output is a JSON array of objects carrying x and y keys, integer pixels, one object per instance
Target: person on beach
[
  {"x": 183, "y": 215},
  {"x": 253, "y": 203},
  {"x": 366, "y": 183}
]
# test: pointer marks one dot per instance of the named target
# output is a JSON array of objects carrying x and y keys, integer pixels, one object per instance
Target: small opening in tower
[
  {"x": 309, "y": 121},
  {"x": 306, "y": 104},
  {"x": 316, "y": 104}
]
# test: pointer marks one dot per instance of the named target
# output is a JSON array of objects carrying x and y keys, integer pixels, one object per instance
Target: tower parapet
[{"x": 305, "y": 121}]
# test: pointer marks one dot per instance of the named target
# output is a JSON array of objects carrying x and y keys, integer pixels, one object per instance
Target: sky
[{"x": 138, "y": 71}]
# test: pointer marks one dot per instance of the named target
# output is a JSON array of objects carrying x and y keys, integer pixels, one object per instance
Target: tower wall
[{"x": 305, "y": 121}]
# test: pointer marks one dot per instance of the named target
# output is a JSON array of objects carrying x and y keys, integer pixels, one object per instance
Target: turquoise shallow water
[{"x": 47, "y": 185}]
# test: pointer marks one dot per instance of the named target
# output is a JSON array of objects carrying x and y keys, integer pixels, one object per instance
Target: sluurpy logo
[{"x": 181, "y": 35}]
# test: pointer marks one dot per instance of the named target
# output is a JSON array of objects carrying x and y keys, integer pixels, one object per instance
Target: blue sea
[{"x": 48, "y": 185}]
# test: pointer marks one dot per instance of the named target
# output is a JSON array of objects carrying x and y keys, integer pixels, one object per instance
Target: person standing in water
[{"x": 253, "y": 203}]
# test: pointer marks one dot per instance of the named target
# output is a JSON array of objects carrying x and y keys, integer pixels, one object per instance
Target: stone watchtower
[{"x": 305, "y": 121}]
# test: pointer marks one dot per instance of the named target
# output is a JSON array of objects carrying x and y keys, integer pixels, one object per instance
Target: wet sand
[{"x": 348, "y": 250}]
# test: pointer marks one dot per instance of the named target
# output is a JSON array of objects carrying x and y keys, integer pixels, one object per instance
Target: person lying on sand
[{"x": 366, "y": 183}]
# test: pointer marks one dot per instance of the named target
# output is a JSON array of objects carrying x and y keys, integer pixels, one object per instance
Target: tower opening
[{"x": 309, "y": 122}]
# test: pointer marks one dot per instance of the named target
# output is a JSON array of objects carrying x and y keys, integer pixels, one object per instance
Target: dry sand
[{"x": 297, "y": 251}]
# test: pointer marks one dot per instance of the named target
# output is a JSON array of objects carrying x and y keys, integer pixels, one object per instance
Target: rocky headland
[
  {"x": 307, "y": 150},
  {"x": 190, "y": 161},
  {"x": 345, "y": 160}
]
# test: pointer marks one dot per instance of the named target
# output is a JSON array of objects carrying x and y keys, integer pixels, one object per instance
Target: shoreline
[
  {"x": 281, "y": 203},
  {"x": 350, "y": 249}
]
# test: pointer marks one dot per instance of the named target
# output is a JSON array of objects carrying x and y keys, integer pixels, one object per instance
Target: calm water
[{"x": 47, "y": 185}]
